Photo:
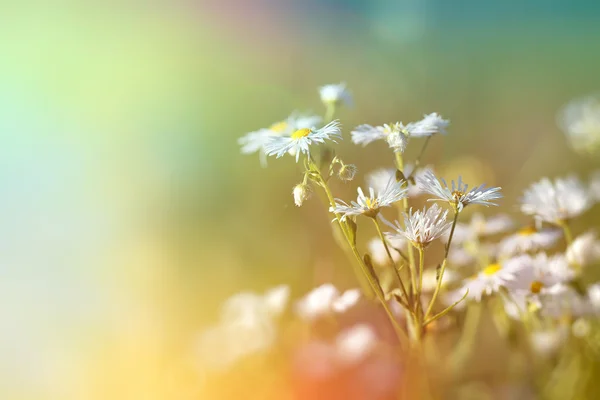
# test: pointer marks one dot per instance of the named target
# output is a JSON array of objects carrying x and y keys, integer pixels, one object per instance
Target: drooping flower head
[
  {"x": 302, "y": 139},
  {"x": 580, "y": 121},
  {"x": 422, "y": 226},
  {"x": 557, "y": 201},
  {"x": 370, "y": 205},
  {"x": 459, "y": 196},
  {"x": 394, "y": 134},
  {"x": 430, "y": 125},
  {"x": 335, "y": 94}
]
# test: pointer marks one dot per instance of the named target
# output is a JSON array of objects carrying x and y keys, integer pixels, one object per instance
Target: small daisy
[
  {"x": 562, "y": 300},
  {"x": 369, "y": 206},
  {"x": 301, "y": 139},
  {"x": 255, "y": 141},
  {"x": 335, "y": 94},
  {"x": 585, "y": 250},
  {"x": 422, "y": 227},
  {"x": 536, "y": 275},
  {"x": 430, "y": 125},
  {"x": 529, "y": 240},
  {"x": 460, "y": 257},
  {"x": 378, "y": 253},
  {"x": 324, "y": 300},
  {"x": 557, "y": 201},
  {"x": 379, "y": 178},
  {"x": 459, "y": 196},
  {"x": 490, "y": 280},
  {"x": 580, "y": 120},
  {"x": 394, "y": 134}
]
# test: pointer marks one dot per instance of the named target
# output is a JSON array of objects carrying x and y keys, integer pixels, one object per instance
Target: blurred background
[{"x": 128, "y": 214}]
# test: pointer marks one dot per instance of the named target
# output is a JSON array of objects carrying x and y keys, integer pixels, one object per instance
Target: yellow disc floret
[
  {"x": 527, "y": 231},
  {"x": 492, "y": 269},
  {"x": 279, "y": 127},
  {"x": 300, "y": 133},
  {"x": 536, "y": 286}
]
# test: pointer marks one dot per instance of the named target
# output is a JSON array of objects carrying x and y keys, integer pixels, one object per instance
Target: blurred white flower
[
  {"x": 422, "y": 227},
  {"x": 324, "y": 300},
  {"x": 430, "y": 279},
  {"x": 246, "y": 315},
  {"x": 580, "y": 121},
  {"x": 369, "y": 206},
  {"x": 355, "y": 344},
  {"x": 459, "y": 196},
  {"x": 557, "y": 201},
  {"x": 460, "y": 257},
  {"x": 529, "y": 240},
  {"x": 546, "y": 343},
  {"x": 378, "y": 253},
  {"x": 489, "y": 226},
  {"x": 490, "y": 279},
  {"x": 300, "y": 141},
  {"x": 255, "y": 141},
  {"x": 335, "y": 94},
  {"x": 430, "y": 125},
  {"x": 585, "y": 250}
]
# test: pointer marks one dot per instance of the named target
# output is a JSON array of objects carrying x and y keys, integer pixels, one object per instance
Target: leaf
[
  {"x": 400, "y": 176},
  {"x": 352, "y": 228},
  {"x": 446, "y": 310}
]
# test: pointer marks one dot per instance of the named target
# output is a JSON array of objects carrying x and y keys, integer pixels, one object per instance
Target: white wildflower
[
  {"x": 301, "y": 139},
  {"x": 546, "y": 343},
  {"x": 422, "y": 227},
  {"x": 580, "y": 120},
  {"x": 430, "y": 279},
  {"x": 490, "y": 279},
  {"x": 356, "y": 343},
  {"x": 585, "y": 250},
  {"x": 379, "y": 178},
  {"x": 347, "y": 172},
  {"x": 529, "y": 240},
  {"x": 430, "y": 124},
  {"x": 459, "y": 196},
  {"x": 537, "y": 275},
  {"x": 324, "y": 300},
  {"x": 394, "y": 134},
  {"x": 370, "y": 205},
  {"x": 255, "y": 141},
  {"x": 490, "y": 226},
  {"x": 557, "y": 201},
  {"x": 335, "y": 94},
  {"x": 378, "y": 253}
]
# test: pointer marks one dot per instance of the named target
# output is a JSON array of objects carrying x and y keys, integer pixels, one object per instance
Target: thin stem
[
  {"x": 418, "y": 159},
  {"x": 421, "y": 267},
  {"x": 387, "y": 250},
  {"x": 329, "y": 112},
  {"x": 441, "y": 277},
  {"x": 411, "y": 255},
  {"x": 567, "y": 232}
]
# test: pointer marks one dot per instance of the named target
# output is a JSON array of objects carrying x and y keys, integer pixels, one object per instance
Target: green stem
[
  {"x": 421, "y": 267},
  {"x": 389, "y": 253},
  {"x": 411, "y": 255},
  {"x": 567, "y": 232},
  {"x": 329, "y": 112},
  {"x": 467, "y": 337},
  {"x": 441, "y": 277},
  {"x": 418, "y": 159}
]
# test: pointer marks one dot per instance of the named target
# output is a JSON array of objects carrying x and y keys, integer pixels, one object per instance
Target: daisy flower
[
  {"x": 580, "y": 121},
  {"x": 490, "y": 279},
  {"x": 422, "y": 227},
  {"x": 324, "y": 300},
  {"x": 585, "y": 250},
  {"x": 430, "y": 125},
  {"x": 459, "y": 196},
  {"x": 529, "y": 240},
  {"x": 301, "y": 139},
  {"x": 395, "y": 135},
  {"x": 557, "y": 201},
  {"x": 379, "y": 178},
  {"x": 370, "y": 205},
  {"x": 378, "y": 253},
  {"x": 255, "y": 141},
  {"x": 536, "y": 275},
  {"x": 491, "y": 226},
  {"x": 335, "y": 94},
  {"x": 354, "y": 344}
]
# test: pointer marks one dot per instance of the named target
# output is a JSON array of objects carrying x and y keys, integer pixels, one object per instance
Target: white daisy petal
[
  {"x": 300, "y": 141},
  {"x": 370, "y": 205},
  {"x": 422, "y": 227},
  {"x": 430, "y": 124},
  {"x": 335, "y": 94},
  {"x": 580, "y": 121}
]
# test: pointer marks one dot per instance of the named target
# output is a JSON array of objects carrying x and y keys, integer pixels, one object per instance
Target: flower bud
[
  {"x": 302, "y": 192},
  {"x": 347, "y": 172}
]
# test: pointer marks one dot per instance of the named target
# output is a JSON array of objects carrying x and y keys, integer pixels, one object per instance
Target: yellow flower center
[
  {"x": 492, "y": 269},
  {"x": 536, "y": 286},
  {"x": 300, "y": 133},
  {"x": 279, "y": 127},
  {"x": 457, "y": 194},
  {"x": 371, "y": 203},
  {"x": 527, "y": 231}
]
